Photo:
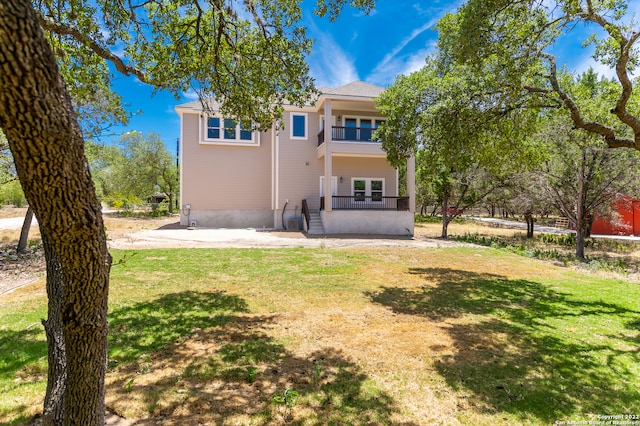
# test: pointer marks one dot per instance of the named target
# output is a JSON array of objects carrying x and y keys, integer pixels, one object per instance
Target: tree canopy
[
  {"x": 249, "y": 56},
  {"x": 462, "y": 133},
  {"x": 518, "y": 37}
]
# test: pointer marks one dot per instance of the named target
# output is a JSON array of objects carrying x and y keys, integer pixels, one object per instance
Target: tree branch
[
  {"x": 626, "y": 44},
  {"x": 52, "y": 26},
  {"x": 608, "y": 133}
]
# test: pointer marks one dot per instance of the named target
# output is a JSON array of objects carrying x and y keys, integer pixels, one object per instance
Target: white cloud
[
  {"x": 330, "y": 65},
  {"x": 385, "y": 75},
  {"x": 391, "y": 56},
  {"x": 395, "y": 62},
  {"x": 191, "y": 95},
  {"x": 601, "y": 69}
]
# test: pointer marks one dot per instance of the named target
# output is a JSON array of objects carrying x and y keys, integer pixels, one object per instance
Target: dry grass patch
[{"x": 378, "y": 336}]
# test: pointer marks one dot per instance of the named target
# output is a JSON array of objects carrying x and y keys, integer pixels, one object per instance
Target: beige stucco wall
[
  {"x": 299, "y": 167},
  {"x": 229, "y": 218},
  {"x": 247, "y": 186},
  {"x": 358, "y": 167},
  {"x": 224, "y": 177}
]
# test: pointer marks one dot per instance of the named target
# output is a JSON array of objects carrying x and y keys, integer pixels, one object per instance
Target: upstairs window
[
  {"x": 213, "y": 128},
  {"x": 299, "y": 125},
  {"x": 229, "y": 131}
]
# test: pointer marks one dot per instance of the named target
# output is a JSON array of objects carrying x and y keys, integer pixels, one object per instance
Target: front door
[{"x": 334, "y": 185}]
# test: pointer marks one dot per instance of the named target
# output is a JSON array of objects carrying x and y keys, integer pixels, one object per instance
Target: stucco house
[{"x": 303, "y": 174}]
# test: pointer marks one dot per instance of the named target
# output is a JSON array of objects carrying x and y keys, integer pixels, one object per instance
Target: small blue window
[
  {"x": 299, "y": 126},
  {"x": 229, "y": 128},
  {"x": 245, "y": 131},
  {"x": 213, "y": 128}
]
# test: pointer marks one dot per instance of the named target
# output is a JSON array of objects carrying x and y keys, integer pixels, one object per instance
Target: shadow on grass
[
  {"x": 523, "y": 348},
  {"x": 148, "y": 326},
  {"x": 201, "y": 358},
  {"x": 22, "y": 364}
]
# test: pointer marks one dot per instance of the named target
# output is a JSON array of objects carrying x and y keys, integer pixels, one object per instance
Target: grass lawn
[{"x": 346, "y": 336}]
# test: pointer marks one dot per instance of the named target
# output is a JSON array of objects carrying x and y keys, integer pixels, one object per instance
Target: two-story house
[{"x": 322, "y": 178}]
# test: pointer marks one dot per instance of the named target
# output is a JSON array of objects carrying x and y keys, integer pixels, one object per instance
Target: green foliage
[
  {"x": 11, "y": 194},
  {"x": 251, "y": 374},
  {"x": 249, "y": 56},
  {"x": 133, "y": 170},
  {"x": 466, "y": 141},
  {"x": 288, "y": 398},
  {"x": 418, "y": 218},
  {"x": 517, "y": 37},
  {"x": 529, "y": 248}
]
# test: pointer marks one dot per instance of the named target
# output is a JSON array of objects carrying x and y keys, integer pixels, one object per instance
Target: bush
[
  {"x": 123, "y": 202},
  {"x": 11, "y": 194}
]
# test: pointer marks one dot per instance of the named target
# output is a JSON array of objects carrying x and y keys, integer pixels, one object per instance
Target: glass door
[{"x": 351, "y": 129}]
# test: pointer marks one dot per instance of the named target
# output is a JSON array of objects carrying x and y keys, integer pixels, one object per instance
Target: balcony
[
  {"x": 367, "y": 202},
  {"x": 349, "y": 134}
]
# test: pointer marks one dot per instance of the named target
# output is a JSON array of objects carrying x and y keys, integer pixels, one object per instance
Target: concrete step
[{"x": 315, "y": 224}]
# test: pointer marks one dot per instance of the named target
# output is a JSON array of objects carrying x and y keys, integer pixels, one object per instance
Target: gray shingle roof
[{"x": 356, "y": 88}]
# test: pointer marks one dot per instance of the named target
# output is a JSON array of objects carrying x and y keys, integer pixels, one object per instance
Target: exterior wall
[
  {"x": 368, "y": 222},
  {"x": 299, "y": 169},
  {"x": 627, "y": 219},
  {"x": 341, "y": 114},
  {"x": 223, "y": 178},
  {"x": 357, "y": 148},
  {"x": 228, "y": 218},
  {"x": 248, "y": 186},
  {"x": 355, "y": 167}
]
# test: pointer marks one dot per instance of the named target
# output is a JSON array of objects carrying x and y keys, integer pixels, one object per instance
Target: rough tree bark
[
  {"x": 53, "y": 414},
  {"x": 445, "y": 215},
  {"x": 37, "y": 117}
]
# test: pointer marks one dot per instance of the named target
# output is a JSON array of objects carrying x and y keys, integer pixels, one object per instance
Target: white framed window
[
  {"x": 367, "y": 189},
  {"x": 228, "y": 131},
  {"x": 299, "y": 125}
]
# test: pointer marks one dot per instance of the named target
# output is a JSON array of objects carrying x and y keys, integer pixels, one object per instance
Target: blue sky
[{"x": 394, "y": 39}]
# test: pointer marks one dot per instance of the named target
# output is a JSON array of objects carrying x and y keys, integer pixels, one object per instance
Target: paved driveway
[
  {"x": 247, "y": 238},
  {"x": 15, "y": 222}
]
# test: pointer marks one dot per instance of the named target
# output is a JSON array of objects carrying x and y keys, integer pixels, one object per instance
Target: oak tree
[
  {"x": 520, "y": 38},
  {"x": 249, "y": 56},
  {"x": 443, "y": 114}
]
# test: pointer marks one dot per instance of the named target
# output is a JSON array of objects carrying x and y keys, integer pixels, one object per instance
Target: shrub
[{"x": 11, "y": 194}]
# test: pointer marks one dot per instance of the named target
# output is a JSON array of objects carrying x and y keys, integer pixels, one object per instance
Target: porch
[
  {"x": 360, "y": 215},
  {"x": 367, "y": 202}
]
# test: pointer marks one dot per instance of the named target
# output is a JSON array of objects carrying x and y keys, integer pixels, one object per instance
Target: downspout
[{"x": 283, "y": 210}]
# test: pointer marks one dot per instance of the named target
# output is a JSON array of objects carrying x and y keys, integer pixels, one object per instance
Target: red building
[{"x": 625, "y": 219}]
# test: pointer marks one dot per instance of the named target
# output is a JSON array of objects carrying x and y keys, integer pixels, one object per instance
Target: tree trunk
[
  {"x": 37, "y": 116},
  {"x": 57, "y": 374},
  {"x": 24, "y": 232},
  {"x": 580, "y": 222},
  {"x": 580, "y": 213},
  {"x": 528, "y": 217},
  {"x": 445, "y": 217}
]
